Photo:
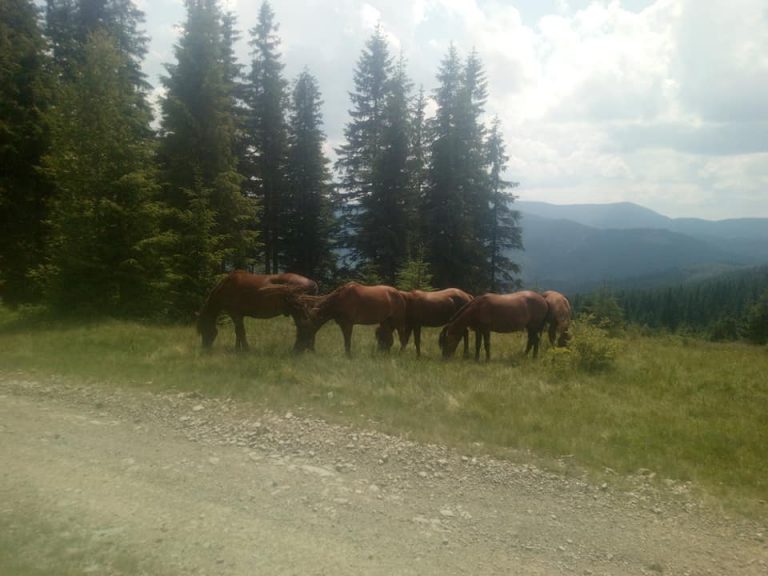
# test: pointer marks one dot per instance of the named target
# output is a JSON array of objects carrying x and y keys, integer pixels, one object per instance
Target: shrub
[{"x": 590, "y": 350}]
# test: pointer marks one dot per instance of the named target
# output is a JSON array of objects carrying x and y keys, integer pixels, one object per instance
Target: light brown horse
[
  {"x": 348, "y": 305},
  {"x": 558, "y": 318},
  {"x": 432, "y": 309},
  {"x": 241, "y": 294},
  {"x": 488, "y": 313}
]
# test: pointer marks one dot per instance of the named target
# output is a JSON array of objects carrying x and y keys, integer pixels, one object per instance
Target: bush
[{"x": 590, "y": 350}]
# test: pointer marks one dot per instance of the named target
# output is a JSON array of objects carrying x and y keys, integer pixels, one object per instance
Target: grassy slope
[{"x": 686, "y": 409}]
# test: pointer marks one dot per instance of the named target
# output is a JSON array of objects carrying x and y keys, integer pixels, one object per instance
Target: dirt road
[{"x": 121, "y": 481}]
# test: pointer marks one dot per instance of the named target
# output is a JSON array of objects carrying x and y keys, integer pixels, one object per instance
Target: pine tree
[
  {"x": 383, "y": 232},
  {"x": 308, "y": 225},
  {"x": 446, "y": 210},
  {"x": 505, "y": 232},
  {"x": 24, "y": 97},
  {"x": 103, "y": 218},
  {"x": 201, "y": 182},
  {"x": 268, "y": 132},
  {"x": 361, "y": 151}
]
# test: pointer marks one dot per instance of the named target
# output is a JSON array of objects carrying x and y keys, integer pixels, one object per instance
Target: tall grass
[{"x": 685, "y": 409}]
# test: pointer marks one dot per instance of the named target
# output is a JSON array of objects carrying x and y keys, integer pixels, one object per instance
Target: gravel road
[{"x": 132, "y": 482}]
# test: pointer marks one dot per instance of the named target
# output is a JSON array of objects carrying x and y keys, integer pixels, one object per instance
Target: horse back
[
  {"x": 510, "y": 312},
  {"x": 434, "y": 308}
]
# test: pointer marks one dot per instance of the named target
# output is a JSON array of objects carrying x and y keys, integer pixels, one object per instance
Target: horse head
[
  {"x": 206, "y": 327},
  {"x": 448, "y": 342}
]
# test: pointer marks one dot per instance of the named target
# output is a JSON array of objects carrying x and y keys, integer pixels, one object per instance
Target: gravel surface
[{"x": 182, "y": 484}]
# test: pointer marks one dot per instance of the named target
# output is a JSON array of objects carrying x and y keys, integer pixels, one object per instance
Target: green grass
[{"x": 685, "y": 409}]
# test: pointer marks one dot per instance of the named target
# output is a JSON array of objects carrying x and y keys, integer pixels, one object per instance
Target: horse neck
[
  {"x": 211, "y": 308},
  {"x": 460, "y": 320}
]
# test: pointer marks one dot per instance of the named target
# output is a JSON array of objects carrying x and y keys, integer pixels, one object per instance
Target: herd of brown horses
[{"x": 242, "y": 294}]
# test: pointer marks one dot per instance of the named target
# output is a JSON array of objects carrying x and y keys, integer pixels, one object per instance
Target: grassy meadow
[{"x": 683, "y": 408}]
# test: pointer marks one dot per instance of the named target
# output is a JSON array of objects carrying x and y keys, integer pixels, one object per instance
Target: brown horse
[
  {"x": 432, "y": 309},
  {"x": 558, "y": 317},
  {"x": 242, "y": 294},
  {"x": 348, "y": 305},
  {"x": 488, "y": 313}
]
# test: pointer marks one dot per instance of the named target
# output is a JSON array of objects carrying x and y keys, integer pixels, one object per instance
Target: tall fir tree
[
  {"x": 386, "y": 211},
  {"x": 266, "y": 97},
  {"x": 24, "y": 97},
  {"x": 447, "y": 230},
  {"x": 308, "y": 227},
  {"x": 505, "y": 231},
  {"x": 373, "y": 162},
  {"x": 213, "y": 222},
  {"x": 103, "y": 220}
]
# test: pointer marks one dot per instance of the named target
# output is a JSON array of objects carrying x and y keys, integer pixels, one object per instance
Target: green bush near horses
[{"x": 685, "y": 409}]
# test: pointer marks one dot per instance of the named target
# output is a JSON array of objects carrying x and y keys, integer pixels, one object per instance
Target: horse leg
[
  {"x": 417, "y": 339},
  {"x": 487, "y": 338},
  {"x": 478, "y": 343},
  {"x": 346, "y": 330},
  {"x": 405, "y": 335},
  {"x": 466, "y": 343},
  {"x": 552, "y": 333},
  {"x": 533, "y": 342},
  {"x": 240, "y": 342}
]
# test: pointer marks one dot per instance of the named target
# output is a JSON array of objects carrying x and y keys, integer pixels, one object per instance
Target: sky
[{"x": 663, "y": 103}]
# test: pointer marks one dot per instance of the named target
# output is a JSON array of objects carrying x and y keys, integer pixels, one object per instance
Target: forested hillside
[{"x": 726, "y": 307}]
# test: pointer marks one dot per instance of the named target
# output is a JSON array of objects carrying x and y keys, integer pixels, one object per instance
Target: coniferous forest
[{"x": 106, "y": 209}]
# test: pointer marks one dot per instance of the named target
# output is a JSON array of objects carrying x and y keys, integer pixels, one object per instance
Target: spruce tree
[
  {"x": 505, "y": 231},
  {"x": 374, "y": 163},
  {"x": 103, "y": 219},
  {"x": 383, "y": 232},
  {"x": 24, "y": 97},
  {"x": 266, "y": 98},
  {"x": 447, "y": 230},
  {"x": 308, "y": 225},
  {"x": 201, "y": 182}
]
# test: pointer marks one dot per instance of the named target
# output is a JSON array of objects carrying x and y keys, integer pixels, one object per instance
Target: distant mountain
[
  {"x": 577, "y": 248},
  {"x": 626, "y": 215}
]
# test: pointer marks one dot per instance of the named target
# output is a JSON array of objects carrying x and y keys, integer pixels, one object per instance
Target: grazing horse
[
  {"x": 241, "y": 294},
  {"x": 348, "y": 305},
  {"x": 558, "y": 317},
  {"x": 488, "y": 313},
  {"x": 432, "y": 309}
]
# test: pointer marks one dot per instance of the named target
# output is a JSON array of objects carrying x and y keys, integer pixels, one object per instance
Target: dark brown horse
[
  {"x": 488, "y": 313},
  {"x": 432, "y": 309},
  {"x": 349, "y": 305},
  {"x": 558, "y": 318},
  {"x": 242, "y": 294}
]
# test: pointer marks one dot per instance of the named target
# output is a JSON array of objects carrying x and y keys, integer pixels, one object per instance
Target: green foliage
[
  {"x": 24, "y": 96},
  {"x": 104, "y": 214},
  {"x": 590, "y": 350},
  {"x": 602, "y": 310},
  {"x": 415, "y": 274}
]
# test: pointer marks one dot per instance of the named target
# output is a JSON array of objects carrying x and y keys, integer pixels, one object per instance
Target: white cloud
[{"x": 665, "y": 105}]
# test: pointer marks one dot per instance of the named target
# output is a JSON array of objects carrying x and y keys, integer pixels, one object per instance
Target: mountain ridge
[{"x": 580, "y": 247}]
